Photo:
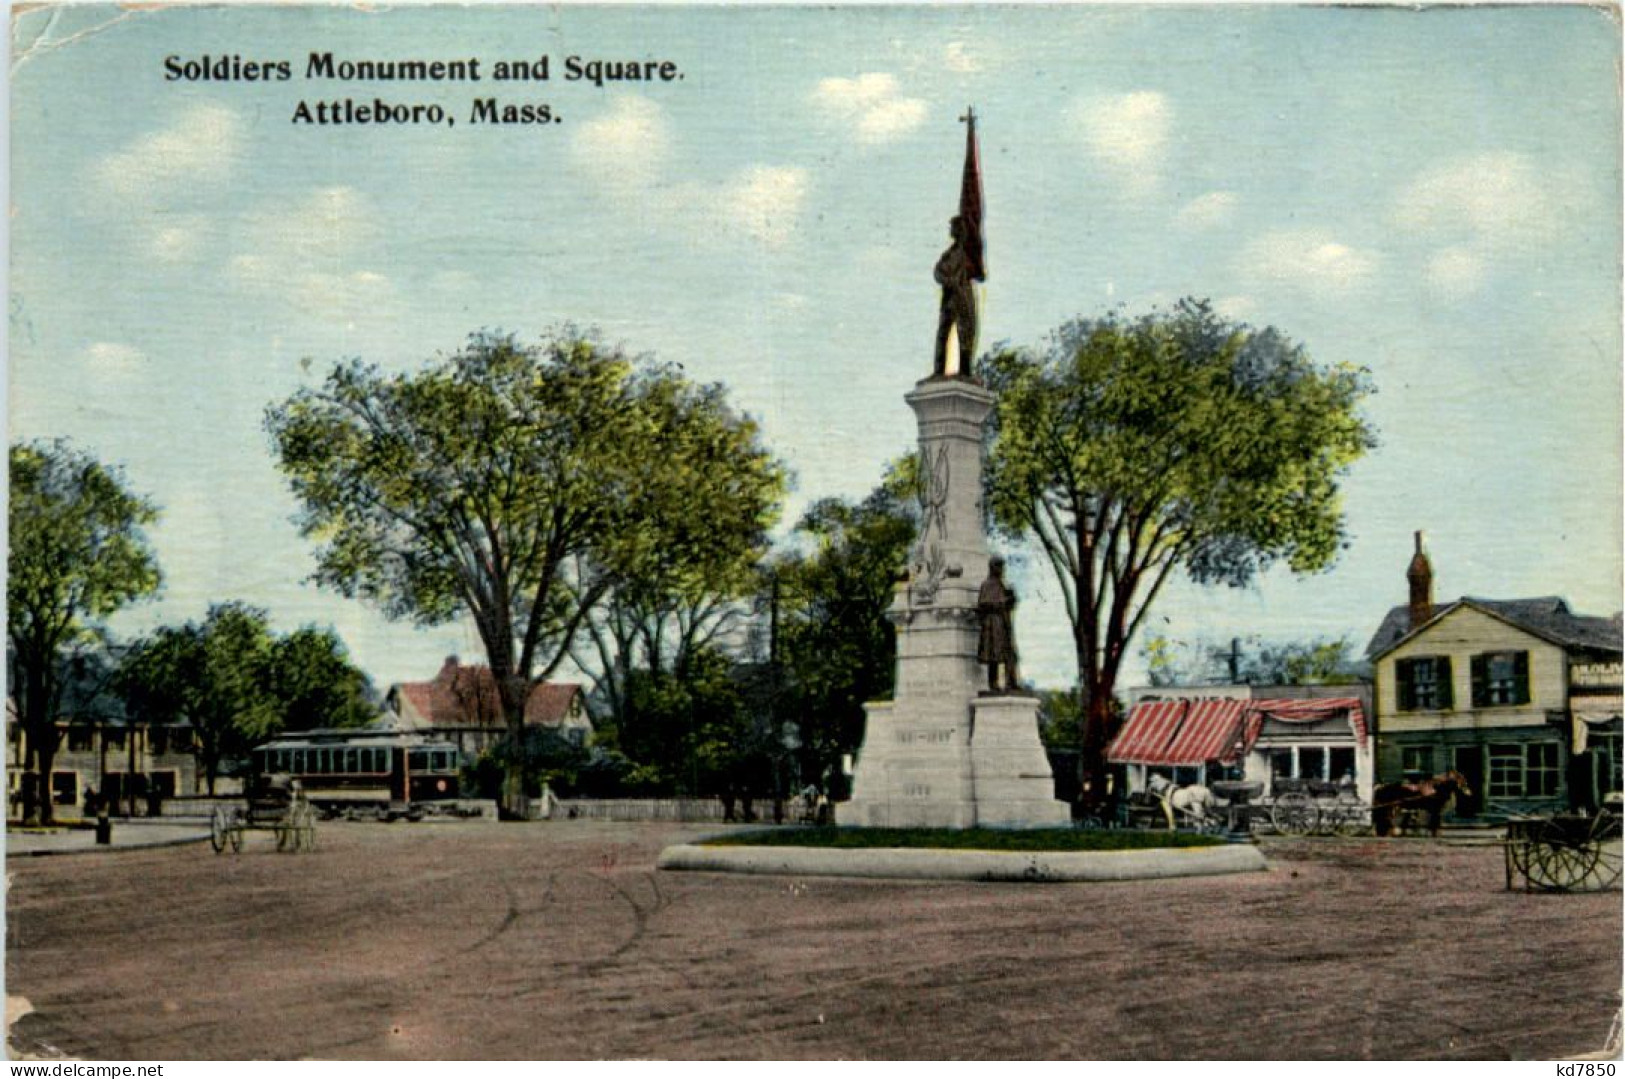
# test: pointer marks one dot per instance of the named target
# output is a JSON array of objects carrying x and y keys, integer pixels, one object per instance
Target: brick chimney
[{"x": 1420, "y": 576}]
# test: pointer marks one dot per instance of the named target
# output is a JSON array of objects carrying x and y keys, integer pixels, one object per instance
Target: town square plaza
[{"x": 562, "y": 940}]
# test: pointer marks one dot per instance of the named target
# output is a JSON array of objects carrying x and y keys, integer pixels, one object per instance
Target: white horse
[{"x": 1194, "y": 803}]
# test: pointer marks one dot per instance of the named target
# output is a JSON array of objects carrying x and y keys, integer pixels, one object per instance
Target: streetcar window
[
  {"x": 371, "y": 762},
  {"x": 442, "y": 761},
  {"x": 349, "y": 761},
  {"x": 327, "y": 760}
]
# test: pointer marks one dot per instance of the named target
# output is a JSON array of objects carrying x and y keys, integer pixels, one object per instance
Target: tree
[
  {"x": 518, "y": 485},
  {"x": 316, "y": 685},
  {"x": 78, "y": 554},
  {"x": 218, "y": 675},
  {"x": 836, "y": 648},
  {"x": 1176, "y": 441},
  {"x": 1316, "y": 661}
]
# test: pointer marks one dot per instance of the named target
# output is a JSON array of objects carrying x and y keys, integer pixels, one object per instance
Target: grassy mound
[{"x": 1038, "y": 839}]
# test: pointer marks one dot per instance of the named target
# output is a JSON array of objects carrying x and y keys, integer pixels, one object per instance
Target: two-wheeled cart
[
  {"x": 280, "y": 808},
  {"x": 1564, "y": 853}
]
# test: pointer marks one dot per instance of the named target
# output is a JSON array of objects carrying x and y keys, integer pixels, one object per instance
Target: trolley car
[{"x": 374, "y": 774}]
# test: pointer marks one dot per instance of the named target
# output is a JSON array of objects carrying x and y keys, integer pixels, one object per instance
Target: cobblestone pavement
[{"x": 561, "y": 940}]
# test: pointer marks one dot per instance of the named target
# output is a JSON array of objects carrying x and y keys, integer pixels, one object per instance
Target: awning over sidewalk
[
  {"x": 1303, "y": 710},
  {"x": 1207, "y": 729},
  {"x": 1593, "y": 716},
  {"x": 1180, "y": 732}
]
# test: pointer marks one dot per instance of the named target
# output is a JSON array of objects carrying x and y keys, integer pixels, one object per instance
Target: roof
[
  {"x": 1196, "y": 731},
  {"x": 1547, "y": 617},
  {"x": 1179, "y": 732},
  {"x": 466, "y": 696}
]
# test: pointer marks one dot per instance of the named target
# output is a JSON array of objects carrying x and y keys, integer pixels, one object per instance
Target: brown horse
[{"x": 1392, "y": 800}]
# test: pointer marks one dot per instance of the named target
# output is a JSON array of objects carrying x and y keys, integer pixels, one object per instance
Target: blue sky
[{"x": 1432, "y": 194}]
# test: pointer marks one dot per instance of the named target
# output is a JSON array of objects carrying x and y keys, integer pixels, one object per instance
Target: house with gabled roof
[
  {"x": 461, "y": 704},
  {"x": 1520, "y": 696}
]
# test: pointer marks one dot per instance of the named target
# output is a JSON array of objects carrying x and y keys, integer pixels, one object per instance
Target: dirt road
[{"x": 561, "y": 940}]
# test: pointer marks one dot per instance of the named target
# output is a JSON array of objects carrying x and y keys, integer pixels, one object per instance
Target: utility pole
[{"x": 1232, "y": 660}]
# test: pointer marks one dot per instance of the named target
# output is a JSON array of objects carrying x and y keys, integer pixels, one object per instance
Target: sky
[{"x": 1431, "y": 194}]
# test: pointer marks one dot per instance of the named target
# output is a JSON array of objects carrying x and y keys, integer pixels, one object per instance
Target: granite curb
[
  {"x": 12, "y": 851},
  {"x": 968, "y": 865}
]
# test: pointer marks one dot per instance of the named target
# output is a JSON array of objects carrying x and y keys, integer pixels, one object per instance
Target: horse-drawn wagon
[
  {"x": 1294, "y": 807},
  {"x": 1566, "y": 852},
  {"x": 276, "y": 805}
]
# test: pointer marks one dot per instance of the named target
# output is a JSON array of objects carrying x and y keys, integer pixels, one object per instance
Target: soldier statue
[
  {"x": 955, "y": 272},
  {"x": 995, "y": 609}
]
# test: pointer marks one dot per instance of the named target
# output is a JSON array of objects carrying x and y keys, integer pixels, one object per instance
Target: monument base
[
  {"x": 921, "y": 769},
  {"x": 914, "y": 771},
  {"x": 1013, "y": 783}
]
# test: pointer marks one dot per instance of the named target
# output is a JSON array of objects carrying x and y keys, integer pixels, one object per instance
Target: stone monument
[{"x": 941, "y": 753}]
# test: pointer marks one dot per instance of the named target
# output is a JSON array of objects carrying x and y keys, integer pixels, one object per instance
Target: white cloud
[
  {"x": 1208, "y": 211},
  {"x": 314, "y": 254},
  {"x": 1308, "y": 259},
  {"x": 765, "y": 201},
  {"x": 628, "y": 150},
  {"x": 958, "y": 58},
  {"x": 1497, "y": 197},
  {"x": 1457, "y": 271},
  {"x": 323, "y": 233},
  {"x": 1483, "y": 210},
  {"x": 625, "y": 147},
  {"x": 1129, "y": 132},
  {"x": 111, "y": 361},
  {"x": 1240, "y": 308},
  {"x": 179, "y": 239},
  {"x": 872, "y": 104},
  {"x": 200, "y": 147}
]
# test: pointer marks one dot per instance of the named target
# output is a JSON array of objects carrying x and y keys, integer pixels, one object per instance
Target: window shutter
[
  {"x": 1405, "y": 684},
  {"x": 1481, "y": 689},
  {"x": 1447, "y": 684},
  {"x": 1521, "y": 673}
]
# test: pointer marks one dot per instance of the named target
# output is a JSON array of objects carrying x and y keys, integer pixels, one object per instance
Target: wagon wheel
[
  {"x": 235, "y": 834},
  {"x": 1605, "y": 828},
  {"x": 219, "y": 828},
  {"x": 1295, "y": 813},
  {"x": 305, "y": 818},
  {"x": 1562, "y": 858},
  {"x": 1519, "y": 850},
  {"x": 1353, "y": 819}
]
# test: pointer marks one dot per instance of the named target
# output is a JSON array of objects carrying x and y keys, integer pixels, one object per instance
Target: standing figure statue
[
  {"x": 996, "y": 608},
  {"x": 955, "y": 272}
]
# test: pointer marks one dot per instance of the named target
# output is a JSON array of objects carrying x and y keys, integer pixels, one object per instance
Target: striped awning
[
  {"x": 1305, "y": 710},
  {"x": 1208, "y": 729},
  {"x": 1180, "y": 732}
]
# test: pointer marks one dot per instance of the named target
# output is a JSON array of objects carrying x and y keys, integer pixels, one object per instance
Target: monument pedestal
[
  {"x": 926, "y": 759},
  {"x": 1012, "y": 779}
]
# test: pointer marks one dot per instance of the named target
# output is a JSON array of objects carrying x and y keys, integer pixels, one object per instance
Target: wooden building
[
  {"x": 114, "y": 757},
  {"x": 461, "y": 705},
  {"x": 1521, "y": 696}
]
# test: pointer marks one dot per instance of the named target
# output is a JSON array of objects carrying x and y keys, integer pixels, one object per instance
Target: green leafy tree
[
  {"x": 518, "y": 485},
  {"x": 1314, "y": 662},
  {"x": 836, "y": 648},
  {"x": 78, "y": 554},
  {"x": 1132, "y": 448},
  {"x": 316, "y": 684},
  {"x": 218, "y": 675}
]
